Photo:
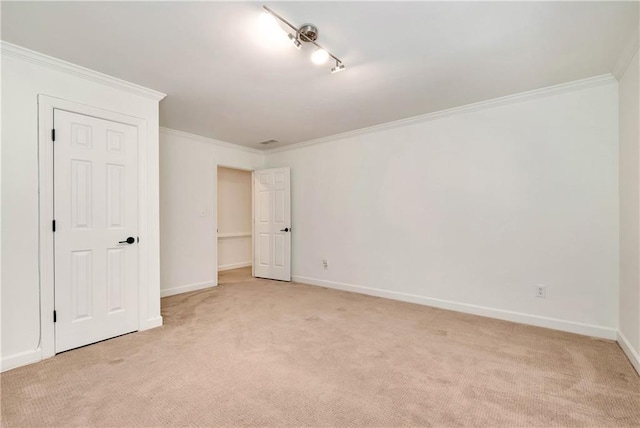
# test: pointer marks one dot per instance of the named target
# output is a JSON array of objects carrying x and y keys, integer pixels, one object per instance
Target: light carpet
[{"x": 266, "y": 353}]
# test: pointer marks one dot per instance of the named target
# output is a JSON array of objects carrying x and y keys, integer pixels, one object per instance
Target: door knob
[
  {"x": 286, "y": 229},
  {"x": 130, "y": 240}
]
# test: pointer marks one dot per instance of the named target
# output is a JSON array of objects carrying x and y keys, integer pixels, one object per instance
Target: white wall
[
  {"x": 234, "y": 218},
  {"x": 630, "y": 212},
  {"x": 24, "y": 76},
  {"x": 469, "y": 211},
  {"x": 188, "y": 201}
]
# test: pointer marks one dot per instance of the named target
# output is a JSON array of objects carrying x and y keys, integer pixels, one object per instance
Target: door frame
[
  {"x": 217, "y": 165},
  {"x": 46, "y": 106}
]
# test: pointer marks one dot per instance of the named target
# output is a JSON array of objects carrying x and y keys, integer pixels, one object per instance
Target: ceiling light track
[{"x": 308, "y": 33}]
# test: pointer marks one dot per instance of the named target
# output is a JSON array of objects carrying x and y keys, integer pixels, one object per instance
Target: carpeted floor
[{"x": 266, "y": 353}]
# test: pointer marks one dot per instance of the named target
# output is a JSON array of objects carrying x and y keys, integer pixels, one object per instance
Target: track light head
[
  {"x": 319, "y": 56},
  {"x": 338, "y": 68},
  {"x": 269, "y": 23},
  {"x": 295, "y": 41}
]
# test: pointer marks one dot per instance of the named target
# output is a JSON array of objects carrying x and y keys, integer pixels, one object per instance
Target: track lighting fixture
[{"x": 307, "y": 33}]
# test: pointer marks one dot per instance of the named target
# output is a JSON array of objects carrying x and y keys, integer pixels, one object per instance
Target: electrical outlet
[
  {"x": 325, "y": 263},
  {"x": 541, "y": 291}
]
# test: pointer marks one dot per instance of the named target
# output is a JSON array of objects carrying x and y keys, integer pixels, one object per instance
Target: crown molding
[
  {"x": 482, "y": 105},
  {"x": 24, "y": 54},
  {"x": 627, "y": 54},
  {"x": 200, "y": 138}
]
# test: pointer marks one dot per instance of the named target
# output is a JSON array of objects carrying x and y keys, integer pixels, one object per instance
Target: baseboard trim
[
  {"x": 631, "y": 353},
  {"x": 33, "y": 356},
  {"x": 20, "y": 359},
  {"x": 151, "y": 323},
  {"x": 234, "y": 266},
  {"x": 186, "y": 288},
  {"x": 519, "y": 317}
]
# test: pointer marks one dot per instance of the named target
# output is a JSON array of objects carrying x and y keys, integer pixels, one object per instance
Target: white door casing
[
  {"x": 272, "y": 223},
  {"x": 95, "y": 207}
]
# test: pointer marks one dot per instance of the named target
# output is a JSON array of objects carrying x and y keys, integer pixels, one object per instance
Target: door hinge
[
  {"x": 53, "y": 225},
  {"x": 55, "y": 316},
  {"x": 53, "y": 135}
]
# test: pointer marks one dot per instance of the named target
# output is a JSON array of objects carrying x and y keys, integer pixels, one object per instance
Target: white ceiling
[{"x": 226, "y": 80}]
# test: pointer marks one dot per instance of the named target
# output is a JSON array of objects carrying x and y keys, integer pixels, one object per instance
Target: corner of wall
[
  {"x": 626, "y": 72},
  {"x": 629, "y": 50},
  {"x": 634, "y": 357}
]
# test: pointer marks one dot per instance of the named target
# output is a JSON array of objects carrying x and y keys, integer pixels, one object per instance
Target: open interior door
[{"x": 272, "y": 224}]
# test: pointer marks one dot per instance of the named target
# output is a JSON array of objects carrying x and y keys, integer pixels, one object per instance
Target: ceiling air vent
[{"x": 271, "y": 141}]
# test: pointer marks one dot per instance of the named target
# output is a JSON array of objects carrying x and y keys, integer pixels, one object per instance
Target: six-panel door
[
  {"x": 272, "y": 224},
  {"x": 95, "y": 208}
]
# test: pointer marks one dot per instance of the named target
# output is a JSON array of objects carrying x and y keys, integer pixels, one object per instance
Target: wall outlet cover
[{"x": 541, "y": 291}]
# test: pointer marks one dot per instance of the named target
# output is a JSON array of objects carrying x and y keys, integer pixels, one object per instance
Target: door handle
[
  {"x": 286, "y": 229},
  {"x": 130, "y": 240}
]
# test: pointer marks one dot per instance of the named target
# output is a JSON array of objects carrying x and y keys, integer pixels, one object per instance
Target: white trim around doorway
[{"x": 46, "y": 106}]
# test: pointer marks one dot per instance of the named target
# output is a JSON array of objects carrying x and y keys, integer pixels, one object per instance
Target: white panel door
[
  {"x": 95, "y": 211},
  {"x": 272, "y": 224}
]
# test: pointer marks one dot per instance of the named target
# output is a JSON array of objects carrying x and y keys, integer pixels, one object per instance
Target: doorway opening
[{"x": 235, "y": 217}]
